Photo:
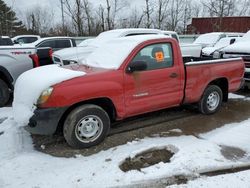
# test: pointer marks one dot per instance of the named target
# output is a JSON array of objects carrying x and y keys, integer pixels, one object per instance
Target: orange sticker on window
[{"x": 159, "y": 56}]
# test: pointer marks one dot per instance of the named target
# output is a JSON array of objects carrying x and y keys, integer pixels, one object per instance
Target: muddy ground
[{"x": 182, "y": 121}]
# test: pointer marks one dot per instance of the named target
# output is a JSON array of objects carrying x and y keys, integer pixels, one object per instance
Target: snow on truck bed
[{"x": 32, "y": 83}]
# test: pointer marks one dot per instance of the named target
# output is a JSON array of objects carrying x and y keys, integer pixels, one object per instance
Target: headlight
[{"x": 45, "y": 95}]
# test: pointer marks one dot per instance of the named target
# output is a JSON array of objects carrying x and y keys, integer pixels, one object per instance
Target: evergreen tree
[{"x": 9, "y": 24}]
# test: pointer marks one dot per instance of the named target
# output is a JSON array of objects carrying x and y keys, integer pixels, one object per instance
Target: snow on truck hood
[{"x": 32, "y": 83}]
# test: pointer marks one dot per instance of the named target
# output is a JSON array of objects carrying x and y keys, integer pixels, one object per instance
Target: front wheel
[
  {"x": 211, "y": 100},
  {"x": 86, "y": 126}
]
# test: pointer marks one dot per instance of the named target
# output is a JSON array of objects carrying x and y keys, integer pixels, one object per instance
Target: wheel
[
  {"x": 86, "y": 126},
  {"x": 211, "y": 100},
  {"x": 4, "y": 93}
]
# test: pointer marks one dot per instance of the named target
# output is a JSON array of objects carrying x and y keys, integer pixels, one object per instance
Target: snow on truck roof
[{"x": 112, "y": 53}]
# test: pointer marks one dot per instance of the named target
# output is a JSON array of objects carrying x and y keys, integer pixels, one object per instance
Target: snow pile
[
  {"x": 192, "y": 155},
  {"x": 235, "y": 96},
  {"x": 235, "y": 135},
  {"x": 32, "y": 83},
  {"x": 240, "y": 179},
  {"x": 112, "y": 53}
]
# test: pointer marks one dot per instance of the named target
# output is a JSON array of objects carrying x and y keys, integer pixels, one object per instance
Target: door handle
[{"x": 173, "y": 75}]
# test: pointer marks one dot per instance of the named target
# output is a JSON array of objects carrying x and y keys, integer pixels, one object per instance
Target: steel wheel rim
[
  {"x": 213, "y": 101},
  {"x": 89, "y": 128}
]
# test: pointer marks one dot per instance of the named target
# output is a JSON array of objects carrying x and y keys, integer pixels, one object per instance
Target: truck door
[{"x": 157, "y": 87}]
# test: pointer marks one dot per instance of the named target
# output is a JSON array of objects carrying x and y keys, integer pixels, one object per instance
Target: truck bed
[{"x": 200, "y": 73}]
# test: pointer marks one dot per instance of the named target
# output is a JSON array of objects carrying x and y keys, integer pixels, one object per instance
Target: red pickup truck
[{"x": 152, "y": 77}]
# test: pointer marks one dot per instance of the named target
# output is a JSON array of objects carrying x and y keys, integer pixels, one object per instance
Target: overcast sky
[{"x": 21, "y": 6}]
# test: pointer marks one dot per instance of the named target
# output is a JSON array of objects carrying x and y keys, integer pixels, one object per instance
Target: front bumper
[{"x": 45, "y": 121}]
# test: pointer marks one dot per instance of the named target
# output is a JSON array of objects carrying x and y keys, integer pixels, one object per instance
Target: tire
[
  {"x": 4, "y": 93},
  {"x": 86, "y": 126},
  {"x": 211, "y": 100}
]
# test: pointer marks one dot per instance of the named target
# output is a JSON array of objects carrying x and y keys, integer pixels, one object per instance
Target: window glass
[
  {"x": 6, "y": 42},
  {"x": 63, "y": 44},
  {"x": 50, "y": 43},
  {"x": 156, "y": 56},
  {"x": 31, "y": 39}
]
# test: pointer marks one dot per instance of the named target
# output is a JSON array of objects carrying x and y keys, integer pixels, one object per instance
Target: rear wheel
[
  {"x": 4, "y": 93},
  {"x": 86, "y": 126},
  {"x": 211, "y": 100}
]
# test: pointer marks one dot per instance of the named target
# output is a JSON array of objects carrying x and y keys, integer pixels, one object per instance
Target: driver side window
[{"x": 156, "y": 56}]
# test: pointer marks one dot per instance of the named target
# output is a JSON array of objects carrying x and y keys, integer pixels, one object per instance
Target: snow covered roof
[{"x": 112, "y": 53}]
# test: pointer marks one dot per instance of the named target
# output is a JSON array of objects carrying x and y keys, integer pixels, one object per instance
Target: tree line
[{"x": 86, "y": 18}]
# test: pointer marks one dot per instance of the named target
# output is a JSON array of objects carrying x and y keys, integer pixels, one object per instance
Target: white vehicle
[
  {"x": 73, "y": 55},
  {"x": 13, "y": 62},
  {"x": 222, "y": 43},
  {"x": 210, "y": 39},
  {"x": 25, "y": 39},
  {"x": 240, "y": 49},
  {"x": 56, "y": 43}
]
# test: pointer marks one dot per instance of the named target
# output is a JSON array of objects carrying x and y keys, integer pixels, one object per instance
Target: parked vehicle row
[
  {"x": 127, "y": 76},
  {"x": 73, "y": 55}
]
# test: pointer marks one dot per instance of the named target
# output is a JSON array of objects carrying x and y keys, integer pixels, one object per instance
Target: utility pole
[{"x": 63, "y": 21}]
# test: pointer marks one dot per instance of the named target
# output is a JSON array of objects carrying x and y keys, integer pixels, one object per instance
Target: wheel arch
[
  {"x": 6, "y": 77},
  {"x": 222, "y": 83},
  {"x": 105, "y": 103}
]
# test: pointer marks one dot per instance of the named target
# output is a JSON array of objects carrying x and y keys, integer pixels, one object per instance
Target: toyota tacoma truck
[{"x": 130, "y": 76}]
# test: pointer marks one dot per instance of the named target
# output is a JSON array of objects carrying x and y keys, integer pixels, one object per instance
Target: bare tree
[
  {"x": 161, "y": 12},
  {"x": 87, "y": 9},
  {"x": 40, "y": 20},
  {"x": 74, "y": 10},
  {"x": 176, "y": 14},
  {"x": 135, "y": 18},
  {"x": 219, "y": 8},
  {"x": 148, "y": 11}
]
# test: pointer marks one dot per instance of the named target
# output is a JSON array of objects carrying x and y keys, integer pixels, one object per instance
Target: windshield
[
  {"x": 223, "y": 42},
  {"x": 209, "y": 38}
]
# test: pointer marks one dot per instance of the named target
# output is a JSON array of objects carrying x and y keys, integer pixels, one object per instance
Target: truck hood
[
  {"x": 27, "y": 90},
  {"x": 208, "y": 50},
  {"x": 238, "y": 47},
  {"x": 75, "y": 53}
]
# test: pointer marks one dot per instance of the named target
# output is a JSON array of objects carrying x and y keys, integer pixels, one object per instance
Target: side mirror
[
  {"x": 137, "y": 66},
  {"x": 15, "y": 42},
  {"x": 232, "y": 41}
]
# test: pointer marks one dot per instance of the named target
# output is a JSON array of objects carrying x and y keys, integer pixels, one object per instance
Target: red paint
[
  {"x": 225, "y": 24},
  {"x": 144, "y": 91}
]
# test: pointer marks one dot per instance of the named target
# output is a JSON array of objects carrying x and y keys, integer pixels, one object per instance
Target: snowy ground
[{"x": 22, "y": 166}]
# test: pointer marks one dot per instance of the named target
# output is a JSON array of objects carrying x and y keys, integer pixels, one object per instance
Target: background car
[{"x": 25, "y": 39}]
